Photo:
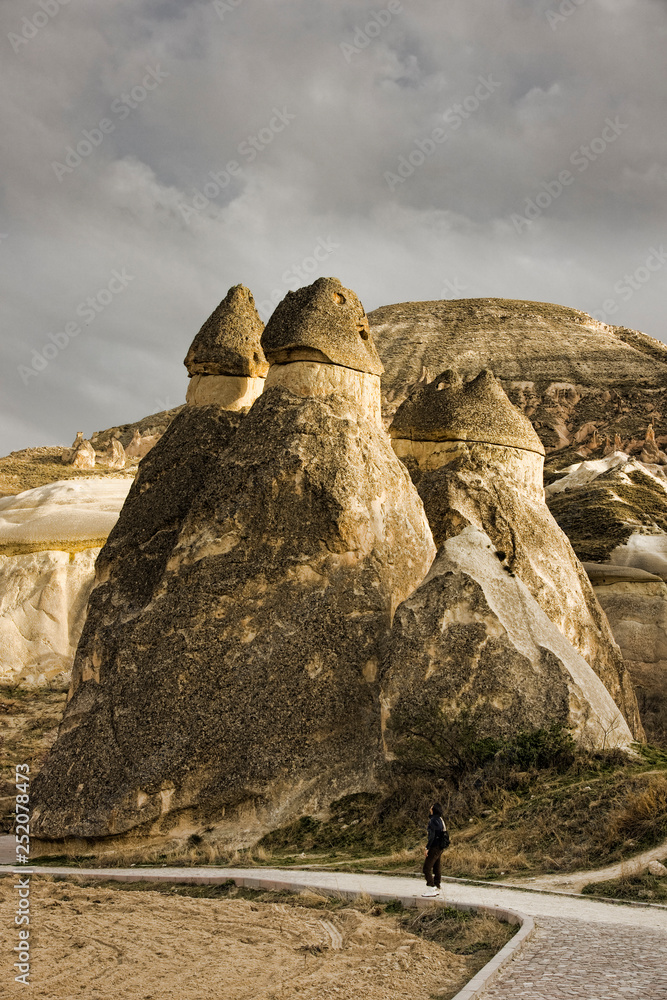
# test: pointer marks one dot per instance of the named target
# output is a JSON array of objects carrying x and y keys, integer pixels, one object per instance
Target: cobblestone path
[{"x": 566, "y": 959}]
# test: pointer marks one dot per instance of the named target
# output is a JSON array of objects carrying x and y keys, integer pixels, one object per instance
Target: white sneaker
[{"x": 431, "y": 892}]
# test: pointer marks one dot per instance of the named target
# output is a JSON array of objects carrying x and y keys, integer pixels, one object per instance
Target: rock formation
[
  {"x": 477, "y": 461},
  {"x": 613, "y": 510},
  {"x": 234, "y": 684},
  {"x": 81, "y": 455},
  {"x": 115, "y": 458},
  {"x": 140, "y": 445},
  {"x": 175, "y": 472},
  {"x": 473, "y": 641},
  {"x": 152, "y": 426},
  {"x": 310, "y": 361},
  {"x": 225, "y": 361},
  {"x": 578, "y": 380},
  {"x": 615, "y": 513},
  {"x": 49, "y": 540},
  {"x": 635, "y": 603}
]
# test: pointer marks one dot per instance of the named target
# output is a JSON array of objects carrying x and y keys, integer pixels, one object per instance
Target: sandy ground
[{"x": 103, "y": 943}]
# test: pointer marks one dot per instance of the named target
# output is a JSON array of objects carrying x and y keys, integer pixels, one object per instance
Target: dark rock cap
[
  {"x": 322, "y": 319},
  {"x": 229, "y": 341},
  {"x": 448, "y": 409}
]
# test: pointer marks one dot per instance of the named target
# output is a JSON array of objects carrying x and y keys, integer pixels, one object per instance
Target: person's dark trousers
[{"x": 432, "y": 867}]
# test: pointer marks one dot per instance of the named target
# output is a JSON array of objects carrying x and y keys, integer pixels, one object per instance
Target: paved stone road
[{"x": 566, "y": 959}]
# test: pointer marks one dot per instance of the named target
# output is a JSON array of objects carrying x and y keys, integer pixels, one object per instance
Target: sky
[{"x": 156, "y": 152}]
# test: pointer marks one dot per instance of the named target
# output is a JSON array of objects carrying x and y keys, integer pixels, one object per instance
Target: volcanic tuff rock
[
  {"x": 579, "y": 381},
  {"x": 225, "y": 362},
  {"x": 133, "y": 561},
  {"x": 81, "y": 455},
  {"x": 229, "y": 341},
  {"x": 473, "y": 640},
  {"x": 498, "y": 489},
  {"x": 49, "y": 540},
  {"x": 635, "y": 603},
  {"x": 239, "y": 689},
  {"x": 322, "y": 322},
  {"x": 448, "y": 409}
]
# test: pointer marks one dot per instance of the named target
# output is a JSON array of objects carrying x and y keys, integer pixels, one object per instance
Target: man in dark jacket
[{"x": 437, "y": 840}]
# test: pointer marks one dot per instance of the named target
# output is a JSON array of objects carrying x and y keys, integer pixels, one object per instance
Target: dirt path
[{"x": 575, "y": 881}]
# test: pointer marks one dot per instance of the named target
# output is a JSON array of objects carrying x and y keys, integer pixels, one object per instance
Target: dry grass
[
  {"x": 503, "y": 821},
  {"x": 644, "y": 888},
  {"x": 32, "y": 467}
]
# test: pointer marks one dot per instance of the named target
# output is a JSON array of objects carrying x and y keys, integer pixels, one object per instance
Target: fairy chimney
[
  {"x": 225, "y": 360},
  {"x": 477, "y": 461},
  {"x": 239, "y": 690},
  {"x": 318, "y": 342}
]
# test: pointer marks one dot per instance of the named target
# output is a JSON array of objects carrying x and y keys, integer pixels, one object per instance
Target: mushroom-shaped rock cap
[
  {"x": 325, "y": 322},
  {"x": 448, "y": 409},
  {"x": 229, "y": 341}
]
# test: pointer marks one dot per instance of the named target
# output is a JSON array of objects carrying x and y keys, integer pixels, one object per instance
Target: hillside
[{"x": 579, "y": 381}]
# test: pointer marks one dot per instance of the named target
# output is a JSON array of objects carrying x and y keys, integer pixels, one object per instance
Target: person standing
[{"x": 438, "y": 839}]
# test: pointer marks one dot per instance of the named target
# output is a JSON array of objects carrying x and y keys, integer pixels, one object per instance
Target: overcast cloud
[{"x": 318, "y": 118}]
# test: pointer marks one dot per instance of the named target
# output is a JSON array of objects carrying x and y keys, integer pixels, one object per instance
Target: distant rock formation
[
  {"x": 239, "y": 689},
  {"x": 613, "y": 510},
  {"x": 152, "y": 426},
  {"x": 635, "y": 603},
  {"x": 115, "y": 458},
  {"x": 580, "y": 382},
  {"x": 140, "y": 445},
  {"x": 49, "y": 540},
  {"x": 225, "y": 362},
  {"x": 81, "y": 455},
  {"x": 477, "y": 461},
  {"x": 473, "y": 641}
]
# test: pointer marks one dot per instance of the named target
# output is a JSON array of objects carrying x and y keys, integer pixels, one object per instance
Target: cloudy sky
[{"x": 158, "y": 151}]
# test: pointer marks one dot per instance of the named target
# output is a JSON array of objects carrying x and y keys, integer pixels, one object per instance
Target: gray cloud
[{"x": 357, "y": 116}]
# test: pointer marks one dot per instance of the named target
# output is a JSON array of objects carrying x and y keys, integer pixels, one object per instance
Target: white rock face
[
  {"x": 69, "y": 515},
  {"x": 647, "y": 552},
  {"x": 312, "y": 379},
  {"x": 582, "y": 473},
  {"x": 231, "y": 392},
  {"x": 49, "y": 540},
  {"x": 43, "y": 599}
]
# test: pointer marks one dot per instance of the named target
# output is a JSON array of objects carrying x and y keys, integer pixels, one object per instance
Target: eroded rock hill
[{"x": 582, "y": 383}]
